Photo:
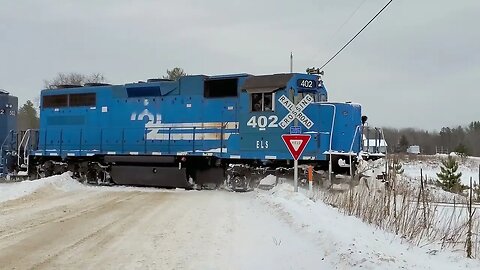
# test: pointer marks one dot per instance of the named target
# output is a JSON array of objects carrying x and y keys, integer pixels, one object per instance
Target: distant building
[
  {"x": 413, "y": 149},
  {"x": 375, "y": 145}
]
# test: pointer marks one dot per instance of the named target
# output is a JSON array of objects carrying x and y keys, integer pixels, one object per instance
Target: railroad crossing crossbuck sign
[
  {"x": 296, "y": 111},
  {"x": 296, "y": 143}
]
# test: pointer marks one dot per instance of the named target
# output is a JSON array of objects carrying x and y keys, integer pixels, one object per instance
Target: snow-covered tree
[{"x": 448, "y": 176}]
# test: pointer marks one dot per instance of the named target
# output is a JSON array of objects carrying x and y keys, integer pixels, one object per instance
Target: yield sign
[{"x": 296, "y": 143}]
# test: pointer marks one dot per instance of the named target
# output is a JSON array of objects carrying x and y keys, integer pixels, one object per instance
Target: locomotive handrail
[
  {"x": 333, "y": 124},
  {"x": 1, "y": 147},
  {"x": 331, "y": 139},
  {"x": 353, "y": 139},
  {"x": 351, "y": 148},
  {"x": 5, "y": 141},
  {"x": 26, "y": 136}
]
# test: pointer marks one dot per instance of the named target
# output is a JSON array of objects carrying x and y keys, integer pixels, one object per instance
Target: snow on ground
[
  {"x": 271, "y": 229},
  {"x": 469, "y": 167},
  {"x": 350, "y": 243}
]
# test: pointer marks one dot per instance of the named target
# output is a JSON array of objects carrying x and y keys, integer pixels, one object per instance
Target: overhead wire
[
  {"x": 358, "y": 33},
  {"x": 348, "y": 19}
]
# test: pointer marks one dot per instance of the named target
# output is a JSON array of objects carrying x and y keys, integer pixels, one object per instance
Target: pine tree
[
  {"x": 175, "y": 73},
  {"x": 27, "y": 117},
  {"x": 449, "y": 178}
]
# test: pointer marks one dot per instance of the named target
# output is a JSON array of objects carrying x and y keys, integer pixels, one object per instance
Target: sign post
[
  {"x": 310, "y": 179},
  {"x": 295, "y": 175},
  {"x": 295, "y": 143}
]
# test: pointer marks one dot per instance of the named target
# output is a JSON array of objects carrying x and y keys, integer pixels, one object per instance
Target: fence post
[{"x": 469, "y": 233}]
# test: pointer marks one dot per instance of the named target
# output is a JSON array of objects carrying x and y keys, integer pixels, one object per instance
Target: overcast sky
[{"x": 417, "y": 65}]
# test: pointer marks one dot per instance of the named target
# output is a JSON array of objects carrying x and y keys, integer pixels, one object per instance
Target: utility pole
[{"x": 291, "y": 62}]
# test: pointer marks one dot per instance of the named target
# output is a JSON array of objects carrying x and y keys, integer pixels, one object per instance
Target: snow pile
[
  {"x": 64, "y": 182},
  {"x": 268, "y": 182},
  {"x": 350, "y": 243},
  {"x": 11, "y": 191}
]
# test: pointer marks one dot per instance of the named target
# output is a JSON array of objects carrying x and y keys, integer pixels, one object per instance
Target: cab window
[{"x": 262, "y": 102}]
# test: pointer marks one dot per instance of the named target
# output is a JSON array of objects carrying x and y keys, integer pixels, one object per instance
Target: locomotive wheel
[{"x": 240, "y": 183}]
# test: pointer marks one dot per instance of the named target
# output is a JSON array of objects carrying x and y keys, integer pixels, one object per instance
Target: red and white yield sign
[{"x": 296, "y": 143}]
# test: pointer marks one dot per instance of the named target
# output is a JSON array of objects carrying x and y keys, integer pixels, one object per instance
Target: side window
[
  {"x": 257, "y": 102},
  {"x": 220, "y": 88},
  {"x": 262, "y": 102},
  {"x": 267, "y": 102},
  {"x": 86, "y": 99},
  {"x": 55, "y": 101}
]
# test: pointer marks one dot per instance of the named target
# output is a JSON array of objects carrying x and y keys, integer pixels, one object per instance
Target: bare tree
[
  {"x": 74, "y": 79},
  {"x": 450, "y": 138}
]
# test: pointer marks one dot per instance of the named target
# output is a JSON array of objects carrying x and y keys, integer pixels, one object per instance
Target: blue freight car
[
  {"x": 8, "y": 129},
  {"x": 172, "y": 133}
]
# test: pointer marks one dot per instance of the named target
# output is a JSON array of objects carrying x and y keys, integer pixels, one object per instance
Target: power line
[
  {"x": 348, "y": 19},
  {"x": 350, "y": 41}
]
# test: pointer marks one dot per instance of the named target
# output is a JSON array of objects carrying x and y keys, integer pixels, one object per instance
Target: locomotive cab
[{"x": 296, "y": 103}]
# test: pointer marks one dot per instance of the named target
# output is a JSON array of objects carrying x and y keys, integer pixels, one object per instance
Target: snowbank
[
  {"x": 64, "y": 182},
  {"x": 350, "y": 243},
  {"x": 11, "y": 191}
]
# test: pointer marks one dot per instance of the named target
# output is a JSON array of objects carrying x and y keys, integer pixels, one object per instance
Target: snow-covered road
[
  {"x": 134, "y": 229},
  {"x": 57, "y": 223}
]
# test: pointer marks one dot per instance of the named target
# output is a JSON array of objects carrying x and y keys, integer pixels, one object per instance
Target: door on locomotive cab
[{"x": 259, "y": 124}]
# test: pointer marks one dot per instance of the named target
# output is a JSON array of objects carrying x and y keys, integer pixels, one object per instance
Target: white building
[
  {"x": 375, "y": 145},
  {"x": 413, "y": 149}
]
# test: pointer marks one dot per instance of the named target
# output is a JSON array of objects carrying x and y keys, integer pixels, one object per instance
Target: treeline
[{"x": 461, "y": 139}]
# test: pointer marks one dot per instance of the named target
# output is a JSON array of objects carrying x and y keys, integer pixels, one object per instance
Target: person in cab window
[
  {"x": 256, "y": 102},
  {"x": 267, "y": 100}
]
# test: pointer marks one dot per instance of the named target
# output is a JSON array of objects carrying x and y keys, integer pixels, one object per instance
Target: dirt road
[{"x": 134, "y": 229}]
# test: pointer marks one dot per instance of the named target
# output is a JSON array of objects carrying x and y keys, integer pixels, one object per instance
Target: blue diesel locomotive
[
  {"x": 8, "y": 129},
  {"x": 191, "y": 130}
]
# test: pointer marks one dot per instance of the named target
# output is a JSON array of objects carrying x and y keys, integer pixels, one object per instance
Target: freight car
[{"x": 188, "y": 131}]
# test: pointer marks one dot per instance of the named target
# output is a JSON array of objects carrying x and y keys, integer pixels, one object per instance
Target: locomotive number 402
[
  {"x": 306, "y": 83},
  {"x": 263, "y": 121}
]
